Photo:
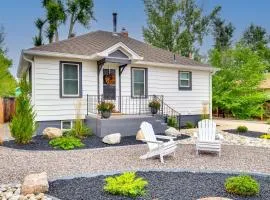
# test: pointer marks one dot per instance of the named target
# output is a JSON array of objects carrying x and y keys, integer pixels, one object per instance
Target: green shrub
[
  {"x": 265, "y": 136},
  {"x": 242, "y": 129},
  {"x": 23, "y": 123},
  {"x": 172, "y": 122},
  {"x": 189, "y": 125},
  {"x": 126, "y": 184},
  {"x": 154, "y": 104},
  {"x": 242, "y": 185},
  {"x": 66, "y": 142},
  {"x": 80, "y": 130}
]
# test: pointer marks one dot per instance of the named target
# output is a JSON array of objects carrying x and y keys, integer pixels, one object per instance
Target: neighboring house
[
  {"x": 107, "y": 65},
  {"x": 265, "y": 85}
]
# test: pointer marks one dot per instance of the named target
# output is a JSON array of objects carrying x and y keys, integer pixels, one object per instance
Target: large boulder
[
  {"x": 35, "y": 184},
  {"x": 114, "y": 138},
  {"x": 172, "y": 132},
  {"x": 139, "y": 135},
  {"x": 51, "y": 132}
]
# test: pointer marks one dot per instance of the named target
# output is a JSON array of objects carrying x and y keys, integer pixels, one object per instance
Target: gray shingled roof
[{"x": 99, "y": 41}]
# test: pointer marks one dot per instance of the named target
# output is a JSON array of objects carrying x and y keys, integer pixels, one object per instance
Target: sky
[{"x": 18, "y": 18}]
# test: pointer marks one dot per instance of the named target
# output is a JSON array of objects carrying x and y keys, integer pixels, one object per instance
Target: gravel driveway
[{"x": 15, "y": 164}]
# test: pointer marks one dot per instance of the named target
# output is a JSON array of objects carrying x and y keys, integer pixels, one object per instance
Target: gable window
[
  {"x": 70, "y": 81},
  {"x": 139, "y": 82},
  {"x": 185, "y": 80}
]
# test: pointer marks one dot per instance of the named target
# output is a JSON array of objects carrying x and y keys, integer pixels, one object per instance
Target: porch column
[
  {"x": 121, "y": 69},
  {"x": 100, "y": 65}
]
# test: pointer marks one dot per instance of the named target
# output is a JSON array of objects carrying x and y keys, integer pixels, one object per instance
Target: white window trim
[
  {"x": 78, "y": 71},
  {"x": 71, "y": 124},
  {"x": 144, "y": 71},
  {"x": 181, "y": 79}
]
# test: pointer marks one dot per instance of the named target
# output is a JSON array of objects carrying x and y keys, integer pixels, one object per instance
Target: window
[
  {"x": 139, "y": 78},
  {"x": 185, "y": 80},
  {"x": 66, "y": 125},
  {"x": 70, "y": 81}
]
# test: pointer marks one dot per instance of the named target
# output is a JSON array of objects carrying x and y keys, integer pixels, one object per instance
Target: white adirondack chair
[
  {"x": 157, "y": 147},
  {"x": 207, "y": 137}
]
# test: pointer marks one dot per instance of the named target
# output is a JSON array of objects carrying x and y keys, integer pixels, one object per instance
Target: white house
[{"x": 115, "y": 67}]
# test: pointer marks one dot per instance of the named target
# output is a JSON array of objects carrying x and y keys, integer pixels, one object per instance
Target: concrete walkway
[{"x": 15, "y": 164}]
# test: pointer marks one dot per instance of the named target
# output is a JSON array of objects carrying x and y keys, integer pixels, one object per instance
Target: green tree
[
  {"x": 235, "y": 86},
  {"x": 80, "y": 11},
  {"x": 175, "y": 26},
  {"x": 222, "y": 34},
  {"x": 2, "y": 38},
  {"x": 255, "y": 37},
  {"x": 23, "y": 123},
  {"x": 38, "y": 39}
]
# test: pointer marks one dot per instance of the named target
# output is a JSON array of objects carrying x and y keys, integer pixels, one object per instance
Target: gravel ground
[
  {"x": 162, "y": 185},
  {"x": 253, "y": 134},
  {"x": 42, "y": 144},
  {"x": 15, "y": 164}
]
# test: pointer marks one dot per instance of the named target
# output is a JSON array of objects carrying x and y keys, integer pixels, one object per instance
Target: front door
[{"x": 109, "y": 84}]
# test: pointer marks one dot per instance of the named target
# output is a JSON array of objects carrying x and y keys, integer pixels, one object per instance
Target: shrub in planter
[
  {"x": 172, "y": 122},
  {"x": 265, "y": 136},
  {"x": 242, "y": 129},
  {"x": 155, "y": 106},
  {"x": 189, "y": 125},
  {"x": 66, "y": 143},
  {"x": 242, "y": 185},
  {"x": 106, "y": 109},
  {"x": 23, "y": 123},
  {"x": 126, "y": 184}
]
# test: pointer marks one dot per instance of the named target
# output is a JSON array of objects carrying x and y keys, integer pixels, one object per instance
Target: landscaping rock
[
  {"x": 139, "y": 135},
  {"x": 114, "y": 138},
  {"x": 52, "y": 132},
  {"x": 35, "y": 183},
  {"x": 215, "y": 198},
  {"x": 172, "y": 132}
]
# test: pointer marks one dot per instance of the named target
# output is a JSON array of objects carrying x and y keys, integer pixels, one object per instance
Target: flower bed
[
  {"x": 161, "y": 185},
  {"x": 252, "y": 134}
]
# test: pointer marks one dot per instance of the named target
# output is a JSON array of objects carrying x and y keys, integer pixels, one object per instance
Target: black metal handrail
[{"x": 125, "y": 104}]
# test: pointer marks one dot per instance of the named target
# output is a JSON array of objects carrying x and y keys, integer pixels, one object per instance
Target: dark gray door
[{"x": 109, "y": 84}]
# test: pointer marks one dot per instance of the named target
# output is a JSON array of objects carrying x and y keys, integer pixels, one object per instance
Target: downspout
[{"x": 33, "y": 78}]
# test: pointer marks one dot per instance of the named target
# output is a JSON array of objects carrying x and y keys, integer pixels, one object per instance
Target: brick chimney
[{"x": 124, "y": 32}]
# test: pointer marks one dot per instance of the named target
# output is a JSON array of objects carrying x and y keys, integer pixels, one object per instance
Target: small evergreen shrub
[
  {"x": 23, "y": 123},
  {"x": 242, "y": 185},
  {"x": 66, "y": 143},
  {"x": 126, "y": 184},
  {"x": 265, "y": 136},
  {"x": 242, "y": 129},
  {"x": 172, "y": 122},
  {"x": 189, "y": 125}
]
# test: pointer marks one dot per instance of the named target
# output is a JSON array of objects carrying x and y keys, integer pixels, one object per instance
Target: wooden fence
[{"x": 7, "y": 109}]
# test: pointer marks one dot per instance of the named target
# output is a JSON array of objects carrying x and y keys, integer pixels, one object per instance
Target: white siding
[
  {"x": 161, "y": 81},
  {"x": 48, "y": 104},
  {"x": 164, "y": 81}
]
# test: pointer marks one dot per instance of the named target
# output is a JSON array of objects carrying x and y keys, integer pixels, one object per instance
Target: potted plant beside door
[
  {"x": 106, "y": 109},
  {"x": 154, "y": 106}
]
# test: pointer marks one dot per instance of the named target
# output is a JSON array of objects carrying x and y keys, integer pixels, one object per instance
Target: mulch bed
[
  {"x": 252, "y": 134},
  {"x": 39, "y": 143},
  {"x": 162, "y": 186}
]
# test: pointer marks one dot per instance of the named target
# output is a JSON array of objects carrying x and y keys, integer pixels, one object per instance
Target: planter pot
[
  {"x": 154, "y": 110},
  {"x": 106, "y": 114}
]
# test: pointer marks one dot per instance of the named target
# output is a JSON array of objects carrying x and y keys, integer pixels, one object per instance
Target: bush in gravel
[
  {"x": 23, "y": 125},
  {"x": 126, "y": 184},
  {"x": 242, "y": 185},
  {"x": 265, "y": 136},
  {"x": 242, "y": 129},
  {"x": 66, "y": 143},
  {"x": 189, "y": 125},
  {"x": 172, "y": 122}
]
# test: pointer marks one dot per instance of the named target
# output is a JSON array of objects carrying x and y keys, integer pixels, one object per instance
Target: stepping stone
[{"x": 215, "y": 198}]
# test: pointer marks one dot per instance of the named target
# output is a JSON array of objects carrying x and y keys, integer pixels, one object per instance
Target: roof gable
[{"x": 118, "y": 54}]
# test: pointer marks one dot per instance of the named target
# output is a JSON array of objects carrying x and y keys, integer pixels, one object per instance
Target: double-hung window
[
  {"x": 139, "y": 82},
  {"x": 70, "y": 79},
  {"x": 185, "y": 80}
]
